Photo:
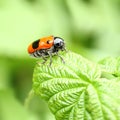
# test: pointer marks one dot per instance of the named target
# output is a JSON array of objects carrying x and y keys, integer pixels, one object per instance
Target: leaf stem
[{"x": 28, "y": 99}]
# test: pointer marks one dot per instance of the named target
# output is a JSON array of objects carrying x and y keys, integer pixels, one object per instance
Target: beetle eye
[{"x": 57, "y": 44}]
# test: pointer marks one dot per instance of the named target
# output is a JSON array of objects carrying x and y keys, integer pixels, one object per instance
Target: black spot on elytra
[
  {"x": 48, "y": 41},
  {"x": 35, "y": 44}
]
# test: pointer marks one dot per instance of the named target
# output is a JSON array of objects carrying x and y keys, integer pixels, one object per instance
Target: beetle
[{"x": 47, "y": 47}]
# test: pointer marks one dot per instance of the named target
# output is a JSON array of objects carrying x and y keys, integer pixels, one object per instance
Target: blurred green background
[{"x": 89, "y": 27}]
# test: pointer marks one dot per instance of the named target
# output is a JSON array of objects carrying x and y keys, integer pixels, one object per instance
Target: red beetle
[{"x": 47, "y": 46}]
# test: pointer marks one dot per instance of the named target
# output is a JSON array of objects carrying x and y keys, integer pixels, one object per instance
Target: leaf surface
[{"x": 76, "y": 91}]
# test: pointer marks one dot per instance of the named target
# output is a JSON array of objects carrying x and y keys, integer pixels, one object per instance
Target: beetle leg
[
  {"x": 50, "y": 58},
  {"x": 60, "y": 57},
  {"x": 38, "y": 62},
  {"x": 64, "y": 49},
  {"x": 44, "y": 59}
]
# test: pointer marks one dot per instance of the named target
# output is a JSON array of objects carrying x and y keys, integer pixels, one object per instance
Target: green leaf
[
  {"x": 111, "y": 65},
  {"x": 76, "y": 91}
]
